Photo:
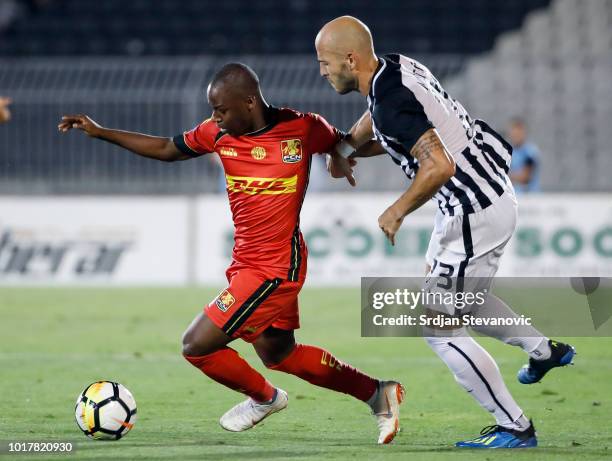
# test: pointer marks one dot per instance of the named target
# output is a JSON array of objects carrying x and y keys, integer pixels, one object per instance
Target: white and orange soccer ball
[{"x": 105, "y": 410}]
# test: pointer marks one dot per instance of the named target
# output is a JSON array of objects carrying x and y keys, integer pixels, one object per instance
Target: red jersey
[{"x": 267, "y": 175}]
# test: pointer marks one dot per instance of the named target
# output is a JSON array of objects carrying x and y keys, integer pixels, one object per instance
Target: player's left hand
[
  {"x": 340, "y": 167},
  {"x": 390, "y": 222}
]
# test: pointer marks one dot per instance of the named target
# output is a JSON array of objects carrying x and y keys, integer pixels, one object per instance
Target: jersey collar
[{"x": 379, "y": 70}]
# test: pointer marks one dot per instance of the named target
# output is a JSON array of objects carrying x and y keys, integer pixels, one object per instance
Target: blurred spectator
[
  {"x": 525, "y": 166},
  {"x": 5, "y": 113},
  {"x": 10, "y": 10}
]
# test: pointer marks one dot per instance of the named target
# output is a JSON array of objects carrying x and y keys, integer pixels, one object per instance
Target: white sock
[
  {"x": 526, "y": 337},
  {"x": 476, "y": 371}
]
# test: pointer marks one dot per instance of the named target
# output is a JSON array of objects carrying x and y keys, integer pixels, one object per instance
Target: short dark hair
[{"x": 239, "y": 76}]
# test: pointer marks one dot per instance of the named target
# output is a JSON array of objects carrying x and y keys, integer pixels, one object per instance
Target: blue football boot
[
  {"x": 502, "y": 437},
  {"x": 560, "y": 356}
]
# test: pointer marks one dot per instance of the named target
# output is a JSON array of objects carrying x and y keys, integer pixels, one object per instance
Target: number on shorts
[{"x": 446, "y": 276}]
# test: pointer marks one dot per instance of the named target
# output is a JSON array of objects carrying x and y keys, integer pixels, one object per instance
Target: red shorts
[{"x": 253, "y": 303}]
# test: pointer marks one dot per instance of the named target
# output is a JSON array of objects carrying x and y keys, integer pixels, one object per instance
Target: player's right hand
[{"x": 80, "y": 122}]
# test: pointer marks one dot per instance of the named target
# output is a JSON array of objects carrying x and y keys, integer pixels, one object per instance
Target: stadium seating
[
  {"x": 171, "y": 27},
  {"x": 555, "y": 73}
]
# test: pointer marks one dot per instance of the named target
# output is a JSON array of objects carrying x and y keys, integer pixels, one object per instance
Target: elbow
[
  {"x": 440, "y": 175},
  {"x": 168, "y": 153},
  {"x": 445, "y": 172},
  {"x": 169, "y": 156},
  {"x": 450, "y": 169}
]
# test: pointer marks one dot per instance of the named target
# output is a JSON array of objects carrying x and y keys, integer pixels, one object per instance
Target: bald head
[
  {"x": 346, "y": 34},
  {"x": 346, "y": 54},
  {"x": 238, "y": 78}
]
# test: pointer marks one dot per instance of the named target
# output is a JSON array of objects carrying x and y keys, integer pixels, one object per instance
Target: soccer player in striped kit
[{"x": 462, "y": 164}]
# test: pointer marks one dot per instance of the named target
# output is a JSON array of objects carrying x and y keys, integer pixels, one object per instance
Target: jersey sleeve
[
  {"x": 322, "y": 136},
  {"x": 199, "y": 140},
  {"x": 403, "y": 117}
]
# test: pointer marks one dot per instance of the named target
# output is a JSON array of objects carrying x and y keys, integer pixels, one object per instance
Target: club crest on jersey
[
  {"x": 291, "y": 149},
  {"x": 258, "y": 153},
  {"x": 225, "y": 300}
]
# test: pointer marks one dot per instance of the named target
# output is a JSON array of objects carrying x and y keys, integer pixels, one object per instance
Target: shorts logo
[
  {"x": 258, "y": 153},
  {"x": 291, "y": 149},
  {"x": 266, "y": 186},
  {"x": 225, "y": 300},
  {"x": 228, "y": 152}
]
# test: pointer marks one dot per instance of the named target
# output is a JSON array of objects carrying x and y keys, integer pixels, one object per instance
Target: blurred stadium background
[{"x": 79, "y": 210}]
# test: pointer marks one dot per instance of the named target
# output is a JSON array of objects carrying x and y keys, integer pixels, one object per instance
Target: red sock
[
  {"x": 319, "y": 367},
  {"x": 227, "y": 367}
]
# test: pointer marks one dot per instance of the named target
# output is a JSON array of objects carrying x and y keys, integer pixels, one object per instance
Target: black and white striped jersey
[{"x": 405, "y": 101}]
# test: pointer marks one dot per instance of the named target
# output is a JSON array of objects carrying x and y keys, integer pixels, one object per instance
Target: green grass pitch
[{"x": 53, "y": 342}]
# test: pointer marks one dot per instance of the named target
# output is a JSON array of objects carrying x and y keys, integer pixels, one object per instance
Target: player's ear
[
  {"x": 250, "y": 102},
  {"x": 351, "y": 61}
]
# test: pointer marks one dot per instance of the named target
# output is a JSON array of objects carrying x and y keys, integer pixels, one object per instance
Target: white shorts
[{"x": 466, "y": 249}]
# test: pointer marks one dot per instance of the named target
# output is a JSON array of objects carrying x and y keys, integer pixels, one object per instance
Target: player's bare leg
[
  {"x": 203, "y": 337},
  {"x": 205, "y": 347},
  {"x": 279, "y": 351}
]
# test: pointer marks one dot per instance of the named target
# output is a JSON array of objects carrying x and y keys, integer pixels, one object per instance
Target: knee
[
  {"x": 273, "y": 354},
  {"x": 187, "y": 343},
  {"x": 192, "y": 347},
  {"x": 438, "y": 341},
  {"x": 435, "y": 342},
  {"x": 202, "y": 337},
  {"x": 190, "y": 350},
  {"x": 273, "y": 359},
  {"x": 439, "y": 336}
]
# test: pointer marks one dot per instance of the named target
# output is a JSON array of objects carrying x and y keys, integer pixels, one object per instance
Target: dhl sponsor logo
[{"x": 266, "y": 186}]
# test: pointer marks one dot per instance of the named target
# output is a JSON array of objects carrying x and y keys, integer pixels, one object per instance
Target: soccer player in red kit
[{"x": 266, "y": 154}]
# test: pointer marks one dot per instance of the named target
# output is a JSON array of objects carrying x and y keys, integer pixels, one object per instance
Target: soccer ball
[{"x": 105, "y": 410}]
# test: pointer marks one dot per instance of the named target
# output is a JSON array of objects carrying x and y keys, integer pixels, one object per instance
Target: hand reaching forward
[{"x": 80, "y": 122}]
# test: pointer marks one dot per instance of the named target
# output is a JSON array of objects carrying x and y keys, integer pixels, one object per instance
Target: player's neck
[
  {"x": 262, "y": 119},
  {"x": 365, "y": 77}
]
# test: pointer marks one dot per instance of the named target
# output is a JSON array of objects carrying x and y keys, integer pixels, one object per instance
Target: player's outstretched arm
[
  {"x": 155, "y": 147},
  {"x": 436, "y": 167}
]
